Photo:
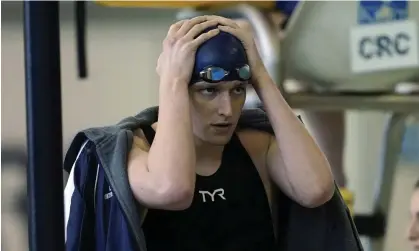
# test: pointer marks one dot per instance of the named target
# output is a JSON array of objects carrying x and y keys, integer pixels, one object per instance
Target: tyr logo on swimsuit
[{"x": 219, "y": 191}]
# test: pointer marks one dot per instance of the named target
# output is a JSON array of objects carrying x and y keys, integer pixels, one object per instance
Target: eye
[
  {"x": 208, "y": 91},
  {"x": 239, "y": 90}
]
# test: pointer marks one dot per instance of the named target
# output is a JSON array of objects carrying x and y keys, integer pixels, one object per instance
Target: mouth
[
  {"x": 222, "y": 124},
  {"x": 222, "y": 127}
]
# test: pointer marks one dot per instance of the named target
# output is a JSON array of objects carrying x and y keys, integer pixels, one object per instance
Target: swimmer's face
[
  {"x": 216, "y": 109},
  {"x": 413, "y": 229}
]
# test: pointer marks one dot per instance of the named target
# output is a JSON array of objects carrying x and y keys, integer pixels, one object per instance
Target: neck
[{"x": 207, "y": 152}]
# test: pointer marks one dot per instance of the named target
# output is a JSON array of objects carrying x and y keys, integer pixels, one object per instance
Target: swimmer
[{"x": 206, "y": 183}]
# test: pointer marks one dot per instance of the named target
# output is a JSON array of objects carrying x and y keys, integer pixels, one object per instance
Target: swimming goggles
[{"x": 214, "y": 74}]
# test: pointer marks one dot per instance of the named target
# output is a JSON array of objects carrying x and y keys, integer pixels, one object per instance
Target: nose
[{"x": 224, "y": 105}]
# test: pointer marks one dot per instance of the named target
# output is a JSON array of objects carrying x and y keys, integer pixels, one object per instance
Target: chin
[{"x": 219, "y": 140}]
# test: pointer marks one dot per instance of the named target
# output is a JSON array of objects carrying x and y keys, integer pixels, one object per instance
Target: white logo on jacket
[{"x": 109, "y": 194}]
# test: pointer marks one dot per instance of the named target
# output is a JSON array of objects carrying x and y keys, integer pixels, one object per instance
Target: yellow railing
[{"x": 184, "y": 4}]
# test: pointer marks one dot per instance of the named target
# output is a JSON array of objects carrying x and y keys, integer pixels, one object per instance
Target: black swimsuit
[{"x": 230, "y": 211}]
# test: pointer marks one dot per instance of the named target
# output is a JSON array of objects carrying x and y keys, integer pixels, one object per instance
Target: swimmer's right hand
[{"x": 176, "y": 61}]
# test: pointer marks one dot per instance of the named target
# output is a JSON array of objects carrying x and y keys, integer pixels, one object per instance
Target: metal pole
[
  {"x": 80, "y": 26},
  {"x": 44, "y": 128}
]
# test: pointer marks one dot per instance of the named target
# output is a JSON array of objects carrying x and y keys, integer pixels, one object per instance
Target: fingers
[
  {"x": 204, "y": 37},
  {"x": 226, "y": 22},
  {"x": 183, "y": 25},
  {"x": 193, "y": 27},
  {"x": 174, "y": 28},
  {"x": 191, "y": 31},
  {"x": 199, "y": 28},
  {"x": 189, "y": 24},
  {"x": 233, "y": 31}
]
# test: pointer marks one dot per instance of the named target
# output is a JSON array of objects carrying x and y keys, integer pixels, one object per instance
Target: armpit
[{"x": 139, "y": 141}]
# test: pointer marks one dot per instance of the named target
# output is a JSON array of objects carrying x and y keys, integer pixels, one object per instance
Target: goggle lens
[
  {"x": 217, "y": 74},
  {"x": 244, "y": 72}
]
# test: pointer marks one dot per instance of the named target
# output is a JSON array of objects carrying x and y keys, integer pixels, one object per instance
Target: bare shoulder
[{"x": 255, "y": 142}]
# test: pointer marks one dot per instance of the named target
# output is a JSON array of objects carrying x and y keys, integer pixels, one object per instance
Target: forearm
[
  {"x": 306, "y": 168},
  {"x": 172, "y": 156}
]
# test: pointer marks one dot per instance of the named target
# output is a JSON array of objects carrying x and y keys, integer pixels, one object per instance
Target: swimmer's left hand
[{"x": 244, "y": 33}]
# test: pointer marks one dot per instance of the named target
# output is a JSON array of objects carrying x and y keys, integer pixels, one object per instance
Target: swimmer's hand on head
[
  {"x": 295, "y": 162},
  {"x": 244, "y": 33},
  {"x": 163, "y": 176},
  {"x": 177, "y": 59}
]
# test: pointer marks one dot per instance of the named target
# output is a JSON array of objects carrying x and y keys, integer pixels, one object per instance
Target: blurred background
[{"x": 123, "y": 45}]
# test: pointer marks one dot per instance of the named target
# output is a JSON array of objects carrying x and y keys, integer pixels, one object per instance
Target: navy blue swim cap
[{"x": 224, "y": 51}]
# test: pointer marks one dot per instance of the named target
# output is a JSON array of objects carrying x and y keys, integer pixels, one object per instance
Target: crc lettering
[{"x": 384, "y": 45}]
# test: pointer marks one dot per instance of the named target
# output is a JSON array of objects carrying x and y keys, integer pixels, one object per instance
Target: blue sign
[{"x": 370, "y": 12}]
